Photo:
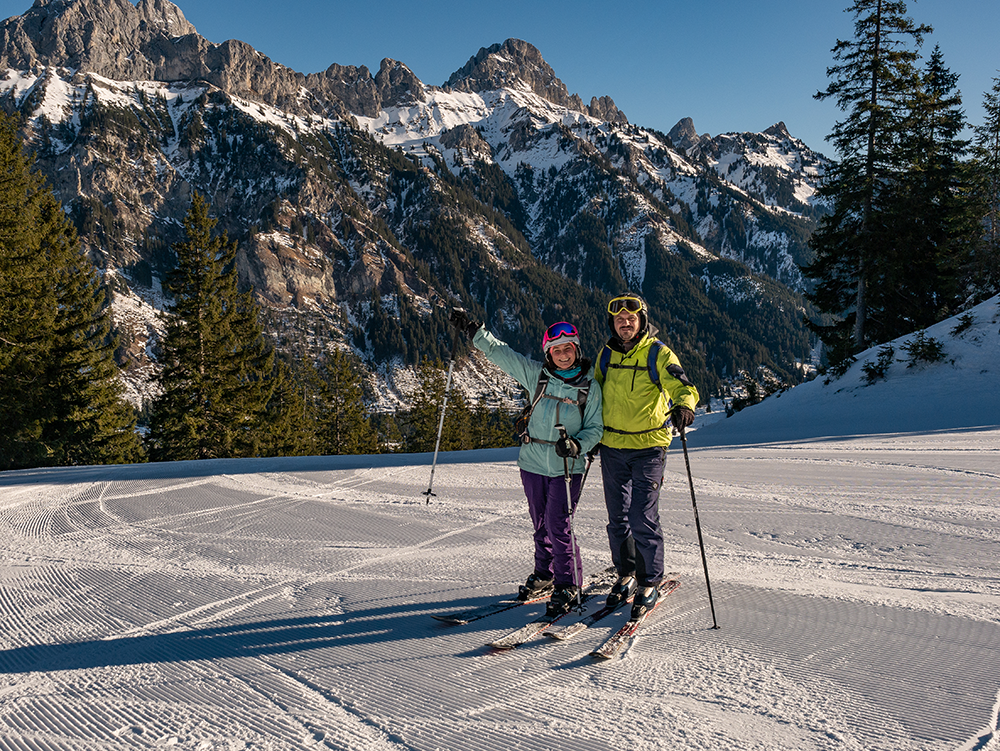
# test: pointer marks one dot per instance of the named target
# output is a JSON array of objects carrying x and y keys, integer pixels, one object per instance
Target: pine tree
[
  {"x": 60, "y": 392},
  {"x": 421, "y": 421},
  {"x": 491, "y": 428},
  {"x": 290, "y": 417},
  {"x": 218, "y": 371},
  {"x": 27, "y": 309},
  {"x": 934, "y": 225},
  {"x": 390, "y": 436},
  {"x": 344, "y": 427},
  {"x": 874, "y": 82},
  {"x": 456, "y": 433},
  {"x": 91, "y": 423},
  {"x": 984, "y": 271}
]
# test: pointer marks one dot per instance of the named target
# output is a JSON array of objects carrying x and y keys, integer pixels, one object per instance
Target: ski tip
[
  {"x": 600, "y": 656},
  {"x": 448, "y": 620}
]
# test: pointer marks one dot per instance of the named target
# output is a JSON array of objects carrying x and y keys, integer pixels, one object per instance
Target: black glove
[
  {"x": 568, "y": 448},
  {"x": 681, "y": 417},
  {"x": 461, "y": 321}
]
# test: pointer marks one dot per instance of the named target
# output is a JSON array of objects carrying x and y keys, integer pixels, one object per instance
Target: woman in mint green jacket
[{"x": 569, "y": 397}]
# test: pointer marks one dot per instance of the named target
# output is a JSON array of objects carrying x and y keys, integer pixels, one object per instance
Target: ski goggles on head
[
  {"x": 625, "y": 302},
  {"x": 559, "y": 331}
]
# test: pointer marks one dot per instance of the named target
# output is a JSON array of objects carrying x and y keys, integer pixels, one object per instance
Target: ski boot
[
  {"x": 644, "y": 600},
  {"x": 536, "y": 585},
  {"x": 563, "y": 600},
  {"x": 623, "y": 589}
]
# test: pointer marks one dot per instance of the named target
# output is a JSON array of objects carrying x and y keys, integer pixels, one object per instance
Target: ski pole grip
[{"x": 562, "y": 430}]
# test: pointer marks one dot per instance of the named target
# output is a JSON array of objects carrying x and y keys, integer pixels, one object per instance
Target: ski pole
[
  {"x": 444, "y": 406},
  {"x": 697, "y": 524},
  {"x": 437, "y": 445},
  {"x": 586, "y": 470},
  {"x": 569, "y": 510}
]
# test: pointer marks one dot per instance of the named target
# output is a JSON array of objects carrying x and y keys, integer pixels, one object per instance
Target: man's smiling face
[{"x": 626, "y": 325}]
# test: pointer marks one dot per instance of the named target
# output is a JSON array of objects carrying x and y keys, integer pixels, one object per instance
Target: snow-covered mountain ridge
[{"x": 342, "y": 187}]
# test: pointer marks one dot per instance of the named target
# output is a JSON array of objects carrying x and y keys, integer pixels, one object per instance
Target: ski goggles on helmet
[
  {"x": 559, "y": 333},
  {"x": 625, "y": 302}
]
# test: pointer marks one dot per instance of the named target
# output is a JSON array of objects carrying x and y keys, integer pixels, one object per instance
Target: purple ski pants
[
  {"x": 550, "y": 517},
  {"x": 632, "y": 480}
]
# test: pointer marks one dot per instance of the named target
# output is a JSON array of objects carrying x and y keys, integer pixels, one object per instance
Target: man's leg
[
  {"x": 644, "y": 512},
  {"x": 617, "y": 477}
]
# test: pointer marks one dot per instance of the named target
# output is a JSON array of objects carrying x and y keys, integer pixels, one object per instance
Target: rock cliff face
[
  {"x": 111, "y": 37},
  {"x": 357, "y": 200}
]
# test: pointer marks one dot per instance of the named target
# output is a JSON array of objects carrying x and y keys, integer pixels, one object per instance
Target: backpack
[
  {"x": 654, "y": 352},
  {"x": 521, "y": 421}
]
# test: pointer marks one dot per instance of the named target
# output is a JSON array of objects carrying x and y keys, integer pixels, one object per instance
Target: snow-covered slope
[
  {"x": 279, "y": 604},
  {"x": 914, "y": 396}
]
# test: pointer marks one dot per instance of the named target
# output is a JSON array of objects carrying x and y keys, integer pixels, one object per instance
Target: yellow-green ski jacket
[{"x": 635, "y": 410}]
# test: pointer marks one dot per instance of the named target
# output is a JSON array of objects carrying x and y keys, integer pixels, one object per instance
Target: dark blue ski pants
[
  {"x": 554, "y": 544},
  {"x": 632, "y": 480}
]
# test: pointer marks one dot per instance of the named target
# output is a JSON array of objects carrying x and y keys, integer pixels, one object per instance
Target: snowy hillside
[
  {"x": 912, "y": 397},
  {"x": 279, "y": 604}
]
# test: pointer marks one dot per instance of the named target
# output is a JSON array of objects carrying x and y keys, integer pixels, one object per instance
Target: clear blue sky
[{"x": 730, "y": 65}]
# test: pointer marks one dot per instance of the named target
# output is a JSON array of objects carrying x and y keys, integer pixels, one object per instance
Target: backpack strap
[
  {"x": 580, "y": 401},
  {"x": 651, "y": 367},
  {"x": 581, "y": 398},
  {"x": 603, "y": 361},
  {"x": 543, "y": 382},
  {"x": 653, "y": 355}
]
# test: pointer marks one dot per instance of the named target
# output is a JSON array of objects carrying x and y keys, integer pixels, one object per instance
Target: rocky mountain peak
[
  {"x": 149, "y": 42},
  {"x": 96, "y": 35},
  {"x": 505, "y": 65},
  {"x": 397, "y": 85},
  {"x": 683, "y": 135},
  {"x": 778, "y": 130},
  {"x": 166, "y": 16},
  {"x": 153, "y": 41},
  {"x": 518, "y": 62}
]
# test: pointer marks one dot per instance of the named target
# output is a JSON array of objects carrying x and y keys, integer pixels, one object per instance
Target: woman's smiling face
[{"x": 563, "y": 355}]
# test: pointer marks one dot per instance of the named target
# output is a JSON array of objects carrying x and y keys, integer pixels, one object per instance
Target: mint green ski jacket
[{"x": 551, "y": 409}]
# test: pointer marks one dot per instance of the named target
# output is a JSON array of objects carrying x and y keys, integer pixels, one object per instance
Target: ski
[
  {"x": 499, "y": 606},
  {"x": 491, "y": 608},
  {"x": 533, "y": 628},
  {"x": 575, "y": 628},
  {"x": 619, "y": 640}
]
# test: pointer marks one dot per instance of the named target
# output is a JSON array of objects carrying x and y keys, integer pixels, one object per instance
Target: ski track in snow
[{"x": 284, "y": 604}]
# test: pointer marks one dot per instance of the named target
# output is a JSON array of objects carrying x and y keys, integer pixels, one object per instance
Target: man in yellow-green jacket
[{"x": 646, "y": 392}]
